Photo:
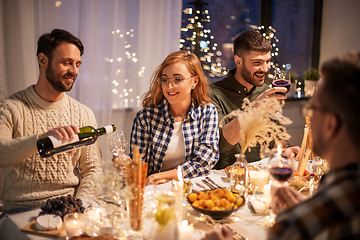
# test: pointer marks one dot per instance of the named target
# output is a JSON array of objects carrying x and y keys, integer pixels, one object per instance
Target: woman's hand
[{"x": 161, "y": 177}]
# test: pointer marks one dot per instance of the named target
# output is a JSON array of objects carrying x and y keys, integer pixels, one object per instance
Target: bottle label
[
  {"x": 109, "y": 129},
  {"x": 61, "y": 142}
]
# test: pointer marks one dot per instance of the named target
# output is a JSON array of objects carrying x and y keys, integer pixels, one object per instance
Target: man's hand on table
[
  {"x": 218, "y": 233},
  {"x": 294, "y": 150},
  {"x": 285, "y": 198}
]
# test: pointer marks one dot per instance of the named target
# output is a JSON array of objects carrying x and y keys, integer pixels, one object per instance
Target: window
[{"x": 209, "y": 26}]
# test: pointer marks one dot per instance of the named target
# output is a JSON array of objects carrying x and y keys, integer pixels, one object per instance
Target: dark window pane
[
  {"x": 227, "y": 19},
  {"x": 293, "y": 21}
]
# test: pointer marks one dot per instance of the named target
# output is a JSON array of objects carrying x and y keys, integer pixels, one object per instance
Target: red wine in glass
[
  {"x": 281, "y": 173},
  {"x": 282, "y": 83},
  {"x": 281, "y": 79}
]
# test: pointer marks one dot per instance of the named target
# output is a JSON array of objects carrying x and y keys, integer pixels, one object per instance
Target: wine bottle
[{"x": 51, "y": 145}]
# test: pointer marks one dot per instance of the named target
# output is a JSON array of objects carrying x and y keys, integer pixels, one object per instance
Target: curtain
[{"x": 124, "y": 40}]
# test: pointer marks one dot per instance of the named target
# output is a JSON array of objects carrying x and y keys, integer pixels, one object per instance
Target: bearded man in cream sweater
[{"x": 42, "y": 110}]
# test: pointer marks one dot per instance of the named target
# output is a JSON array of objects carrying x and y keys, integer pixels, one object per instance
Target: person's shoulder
[
  {"x": 208, "y": 106},
  {"x": 81, "y": 105},
  {"x": 14, "y": 99},
  {"x": 149, "y": 112}
]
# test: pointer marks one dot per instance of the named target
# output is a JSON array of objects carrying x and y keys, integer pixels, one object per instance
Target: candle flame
[
  {"x": 179, "y": 174},
  {"x": 279, "y": 150},
  {"x": 184, "y": 223}
]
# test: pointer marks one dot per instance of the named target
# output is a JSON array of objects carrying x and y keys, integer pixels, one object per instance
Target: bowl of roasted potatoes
[{"x": 218, "y": 203}]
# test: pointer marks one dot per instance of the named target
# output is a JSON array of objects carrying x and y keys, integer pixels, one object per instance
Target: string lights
[
  {"x": 198, "y": 39},
  {"x": 124, "y": 95}
]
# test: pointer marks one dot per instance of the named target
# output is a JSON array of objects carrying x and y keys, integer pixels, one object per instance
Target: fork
[
  {"x": 202, "y": 186},
  {"x": 212, "y": 182}
]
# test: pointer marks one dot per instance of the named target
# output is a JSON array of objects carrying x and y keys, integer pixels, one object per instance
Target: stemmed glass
[
  {"x": 116, "y": 142},
  {"x": 282, "y": 79},
  {"x": 281, "y": 167}
]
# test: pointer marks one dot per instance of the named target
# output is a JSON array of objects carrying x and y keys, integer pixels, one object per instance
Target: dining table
[{"x": 243, "y": 222}]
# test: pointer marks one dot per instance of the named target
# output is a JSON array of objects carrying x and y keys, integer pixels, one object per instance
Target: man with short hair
[
  {"x": 252, "y": 55},
  {"x": 334, "y": 211},
  {"x": 43, "y": 110}
]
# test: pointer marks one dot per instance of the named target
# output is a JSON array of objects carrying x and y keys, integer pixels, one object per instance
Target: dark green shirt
[{"x": 228, "y": 95}]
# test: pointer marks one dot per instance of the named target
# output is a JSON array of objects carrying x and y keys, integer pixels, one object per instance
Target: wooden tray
[{"x": 31, "y": 228}]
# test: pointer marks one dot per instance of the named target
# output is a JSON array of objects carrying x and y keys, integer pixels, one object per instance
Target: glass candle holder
[{"x": 75, "y": 224}]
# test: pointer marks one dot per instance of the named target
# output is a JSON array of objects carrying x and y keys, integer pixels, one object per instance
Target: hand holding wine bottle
[{"x": 62, "y": 139}]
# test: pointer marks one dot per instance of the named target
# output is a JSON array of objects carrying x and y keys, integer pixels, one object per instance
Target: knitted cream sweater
[{"x": 30, "y": 180}]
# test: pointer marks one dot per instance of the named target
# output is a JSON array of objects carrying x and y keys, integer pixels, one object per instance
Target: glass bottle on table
[{"x": 239, "y": 176}]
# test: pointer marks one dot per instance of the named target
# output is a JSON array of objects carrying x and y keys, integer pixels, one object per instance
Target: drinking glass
[
  {"x": 116, "y": 142},
  {"x": 282, "y": 79},
  {"x": 281, "y": 167}
]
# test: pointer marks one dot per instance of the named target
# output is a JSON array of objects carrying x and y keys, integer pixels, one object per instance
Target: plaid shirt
[
  {"x": 333, "y": 213},
  {"x": 152, "y": 130}
]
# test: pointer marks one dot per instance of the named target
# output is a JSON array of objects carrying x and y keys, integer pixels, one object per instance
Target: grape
[{"x": 62, "y": 205}]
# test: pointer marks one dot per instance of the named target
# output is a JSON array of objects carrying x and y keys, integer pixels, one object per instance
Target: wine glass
[
  {"x": 280, "y": 166},
  {"x": 116, "y": 142},
  {"x": 282, "y": 79}
]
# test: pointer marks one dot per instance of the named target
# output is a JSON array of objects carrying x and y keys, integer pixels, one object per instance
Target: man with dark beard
[
  {"x": 43, "y": 110},
  {"x": 252, "y": 55}
]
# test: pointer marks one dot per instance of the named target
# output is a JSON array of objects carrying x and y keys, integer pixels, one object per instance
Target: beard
[
  {"x": 247, "y": 76},
  {"x": 55, "y": 79}
]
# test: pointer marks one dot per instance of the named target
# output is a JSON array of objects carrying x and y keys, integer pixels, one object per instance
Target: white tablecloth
[{"x": 243, "y": 221}]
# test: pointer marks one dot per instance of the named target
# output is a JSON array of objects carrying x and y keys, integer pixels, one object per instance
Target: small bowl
[{"x": 216, "y": 215}]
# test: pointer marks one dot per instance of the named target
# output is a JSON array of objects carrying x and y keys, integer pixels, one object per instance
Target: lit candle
[
  {"x": 75, "y": 224},
  {"x": 279, "y": 150},
  {"x": 259, "y": 179},
  {"x": 185, "y": 231},
  {"x": 179, "y": 194},
  {"x": 74, "y": 227},
  {"x": 93, "y": 214}
]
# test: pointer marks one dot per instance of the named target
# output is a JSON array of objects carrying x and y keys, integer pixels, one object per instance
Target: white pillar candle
[
  {"x": 179, "y": 189},
  {"x": 267, "y": 197},
  {"x": 259, "y": 179},
  {"x": 185, "y": 231}
]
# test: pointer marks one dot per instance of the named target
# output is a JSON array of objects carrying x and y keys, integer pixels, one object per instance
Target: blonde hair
[{"x": 199, "y": 94}]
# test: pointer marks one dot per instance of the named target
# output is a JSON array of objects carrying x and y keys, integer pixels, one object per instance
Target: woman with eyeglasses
[{"x": 177, "y": 125}]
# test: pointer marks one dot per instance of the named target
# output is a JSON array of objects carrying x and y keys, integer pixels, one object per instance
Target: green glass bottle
[{"x": 88, "y": 135}]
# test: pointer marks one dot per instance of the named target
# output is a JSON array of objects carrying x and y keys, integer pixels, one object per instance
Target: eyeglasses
[
  {"x": 176, "y": 81},
  {"x": 308, "y": 110}
]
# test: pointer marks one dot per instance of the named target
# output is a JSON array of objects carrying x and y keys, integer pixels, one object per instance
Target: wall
[{"x": 340, "y": 28}]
